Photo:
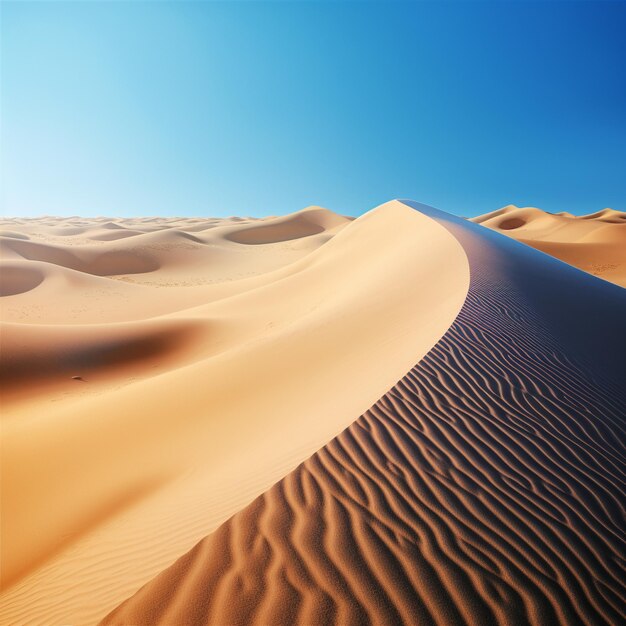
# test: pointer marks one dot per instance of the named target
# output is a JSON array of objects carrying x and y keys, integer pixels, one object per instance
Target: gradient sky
[{"x": 254, "y": 108}]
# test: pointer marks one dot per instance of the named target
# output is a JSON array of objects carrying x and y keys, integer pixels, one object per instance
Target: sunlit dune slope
[
  {"x": 595, "y": 243},
  {"x": 486, "y": 487},
  {"x": 137, "y": 426}
]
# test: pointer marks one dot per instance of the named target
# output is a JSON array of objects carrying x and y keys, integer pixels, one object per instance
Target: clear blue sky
[{"x": 253, "y": 108}]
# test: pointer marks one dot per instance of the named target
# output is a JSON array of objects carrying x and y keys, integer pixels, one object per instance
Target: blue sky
[{"x": 253, "y": 108}]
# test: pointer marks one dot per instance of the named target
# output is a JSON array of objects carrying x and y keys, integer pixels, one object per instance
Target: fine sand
[
  {"x": 160, "y": 374},
  {"x": 486, "y": 487},
  {"x": 595, "y": 243}
]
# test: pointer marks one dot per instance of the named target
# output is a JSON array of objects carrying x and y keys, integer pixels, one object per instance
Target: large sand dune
[
  {"x": 158, "y": 375},
  {"x": 595, "y": 243},
  {"x": 487, "y": 486}
]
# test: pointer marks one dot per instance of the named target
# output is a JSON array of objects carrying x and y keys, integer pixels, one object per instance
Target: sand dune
[
  {"x": 160, "y": 408},
  {"x": 487, "y": 486},
  {"x": 305, "y": 223},
  {"x": 595, "y": 243},
  {"x": 102, "y": 234},
  {"x": 18, "y": 278},
  {"x": 13, "y": 235}
]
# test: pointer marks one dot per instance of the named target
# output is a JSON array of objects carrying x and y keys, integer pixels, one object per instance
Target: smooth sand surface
[
  {"x": 595, "y": 243},
  {"x": 158, "y": 375},
  {"x": 486, "y": 487}
]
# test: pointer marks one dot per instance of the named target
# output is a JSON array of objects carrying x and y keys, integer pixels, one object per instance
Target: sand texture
[
  {"x": 485, "y": 487},
  {"x": 159, "y": 375},
  {"x": 595, "y": 243}
]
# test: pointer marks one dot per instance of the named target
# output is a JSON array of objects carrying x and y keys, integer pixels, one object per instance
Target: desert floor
[{"x": 403, "y": 418}]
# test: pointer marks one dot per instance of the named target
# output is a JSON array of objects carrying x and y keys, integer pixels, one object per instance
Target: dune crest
[
  {"x": 595, "y": 243},
  {"x": 485, "y": 487},
  {"x": 104, "y": 458}
]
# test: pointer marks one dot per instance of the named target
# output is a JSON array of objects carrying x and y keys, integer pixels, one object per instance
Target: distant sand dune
[
  {"x": 486, "y": 487},
  {"x": 302, "y": 224},
  {"x": 595, "y": 243},
  {"x": 17, "y": 278},
  {"x": 111, "y": 235},
  {"x": 606, "y": 215},
  {"x": 97, "y": 262},
  {"x": 14, "y": 235}
]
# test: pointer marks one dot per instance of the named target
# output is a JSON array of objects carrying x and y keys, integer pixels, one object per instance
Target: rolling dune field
[{"x": 405, "y": 418}]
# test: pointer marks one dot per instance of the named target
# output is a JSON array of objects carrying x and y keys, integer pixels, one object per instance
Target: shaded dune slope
[
  {"x": 42, "y": 355},
  {"x": 486, "y": 487},
  {"x": 17, "y": 279}
]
